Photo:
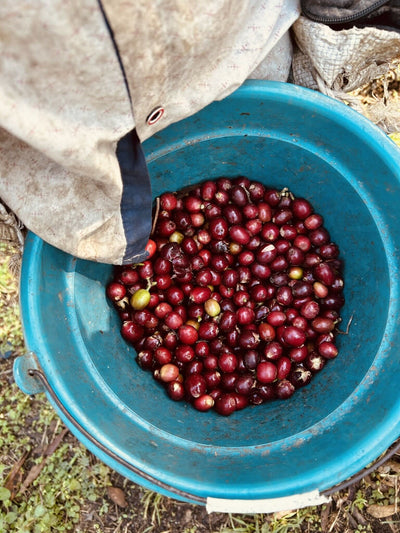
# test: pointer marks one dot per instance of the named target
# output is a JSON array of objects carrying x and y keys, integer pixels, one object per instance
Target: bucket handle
[{"x": 222, "y": 505}]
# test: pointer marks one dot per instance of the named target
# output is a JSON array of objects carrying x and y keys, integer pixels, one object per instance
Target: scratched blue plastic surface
[{"x": 284, "y": 136}]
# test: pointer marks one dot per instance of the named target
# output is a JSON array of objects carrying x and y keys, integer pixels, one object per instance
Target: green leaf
[
  {"x": 39, "y": 511},
  {"x": 5, "y": 494},
  {"x": 50, "y": 499},
  {"x": 74, "y": 485},
  {"x": 11, "y": 517}
]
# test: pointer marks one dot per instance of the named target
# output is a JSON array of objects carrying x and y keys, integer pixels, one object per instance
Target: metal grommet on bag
[{"x": 155, "y": 115}]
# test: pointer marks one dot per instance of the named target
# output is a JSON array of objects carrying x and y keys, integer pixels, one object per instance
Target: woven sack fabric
[{"x": 338, "y": 63}]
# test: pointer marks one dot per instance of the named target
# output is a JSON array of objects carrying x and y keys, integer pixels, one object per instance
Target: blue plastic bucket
[{"x": 284, "y": 136}]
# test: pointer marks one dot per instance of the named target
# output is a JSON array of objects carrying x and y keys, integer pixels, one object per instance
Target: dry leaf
[
  {"x": 352, "y": 521},
  {"x": 34, "y": 472},
  {"x": 117, "y": 496},
  {"x": 51, "y": 448},
  {"x": 280, "y": 514},
  {"x": 326, "y": 513},
  {"x": 32, "y": 475},
  {"x": 15, "y": 476},
  {"x": 394, "y": 466},
  {"x": 358, "y": 516},
  {"x": 390, "y": 481},
  {"x": 382, "y": 511},
  {"x": 384, "y": 469}
]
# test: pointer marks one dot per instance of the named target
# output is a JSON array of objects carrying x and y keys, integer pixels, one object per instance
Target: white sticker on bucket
[{"x": 268, "y": 505}]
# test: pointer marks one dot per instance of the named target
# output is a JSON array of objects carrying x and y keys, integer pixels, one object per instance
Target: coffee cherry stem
[
  {"x": 286, "y": 192},
  {"x": 346, "y": 331},
  {"x": 150, "y": 284},
  {"x": 156, "y": 213}
]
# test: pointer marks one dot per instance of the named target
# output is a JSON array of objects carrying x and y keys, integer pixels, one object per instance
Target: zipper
[{"x": 347, "y": 18}]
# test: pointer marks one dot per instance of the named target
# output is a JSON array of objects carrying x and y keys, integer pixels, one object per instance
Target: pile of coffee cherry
[{"x": 239, "y": 299}]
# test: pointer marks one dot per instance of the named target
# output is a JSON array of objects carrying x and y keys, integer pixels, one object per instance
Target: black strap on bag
[
  {"x": 136, "y": 201},
  {"x": 342, "y": 14}
]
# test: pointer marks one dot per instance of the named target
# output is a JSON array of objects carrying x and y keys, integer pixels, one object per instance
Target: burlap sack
[{"x": 341, "y": 63}]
